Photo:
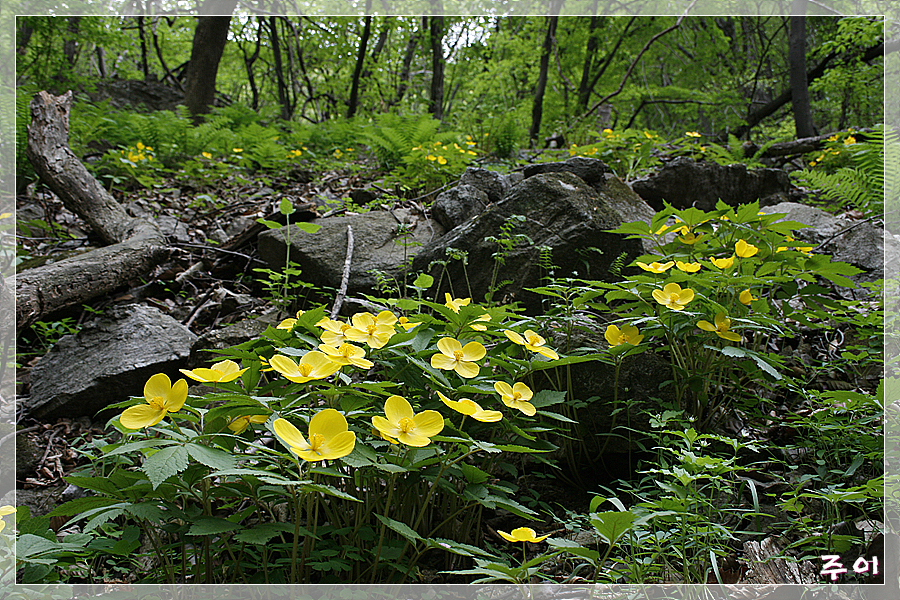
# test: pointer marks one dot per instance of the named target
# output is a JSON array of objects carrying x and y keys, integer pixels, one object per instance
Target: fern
[
  {"x": 860, "y": 185},
  {"x": 392, "y": 138}
]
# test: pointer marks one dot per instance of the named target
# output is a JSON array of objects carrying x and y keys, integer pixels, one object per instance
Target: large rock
[
  {"x": 377, "y": 244},
  {"x": 495, "y": 185},
  {"x": 590, "y": 170},
  {"x": 861, "y": 244},
  {"x": 459, "y": 204},
  {"x": 684, "y": 183},
  {"x": 561, "y": 211},
  {"x": 107, "y": 361}
]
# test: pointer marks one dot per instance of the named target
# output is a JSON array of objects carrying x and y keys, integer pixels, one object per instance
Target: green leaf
[
  {"x": 308, "y": 227},
  {"x": 165, "y": 463},
  {"x": 270, "y": 224},
  {"x": 423, "y": 281},
  {"x": 262, "y": 533},
  {"x": 545, "y": 398},
  {"x": 80, "y": 505},
  {"x": 211, "y": 526},
  {"x": 96, "y": 484},
  {"x": 211, "y": 457},
  {"x": 572, "y": 547},
  {"x": 286, "y": 207},
  {"x": 738, "y": 352},
  {"x": 613, "y": 524},
  {"x": 401, "y": 528},
  {"x": 327, "y": 489}
]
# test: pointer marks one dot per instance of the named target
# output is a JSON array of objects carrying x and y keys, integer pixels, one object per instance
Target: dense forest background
[{"x": 518, "y": 79}]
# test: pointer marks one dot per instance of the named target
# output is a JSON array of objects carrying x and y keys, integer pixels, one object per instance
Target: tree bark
[
  {"x": 145, "y": 65},
  {"x": 279, "y": 70},
  {"x": 803, "y": 120},
  {"x": 138, "y": 244},
  {"x": 206, "y": 52},
  {"x": 403, "y": 83},
  {"x": 537, "y": 107},
  {"x": 357, "y": 71},
  {"x": 436, "y": 35},
  {"x": 584, "y": 91}
]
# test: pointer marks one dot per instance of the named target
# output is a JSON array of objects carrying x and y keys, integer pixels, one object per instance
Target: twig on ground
[{"x": 345, "y": 277}]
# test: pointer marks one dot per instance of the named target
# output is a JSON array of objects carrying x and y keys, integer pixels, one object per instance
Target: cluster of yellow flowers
[
  {"x": 328, "y": 432},
  {"x": 138, "y": 153}
]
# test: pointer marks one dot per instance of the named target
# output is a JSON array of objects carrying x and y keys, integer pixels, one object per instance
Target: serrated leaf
[
  {"x": 613, "y": 524},
  {"x": 262, "y": 533},
  {"x": 80, "y": 505},
  {"x": 545, "y": 398},
  {"x": 402, "y": 528},
  {"x": 211, "y": 457},
  {"x": 211, "y": 526},
  {"x": 165, "y": 463}
]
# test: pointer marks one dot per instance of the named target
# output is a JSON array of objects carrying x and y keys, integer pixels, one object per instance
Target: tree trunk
[
  {"x": 584, "y": 90},
  {"x": 206, "y": 51},
  {"x": 537, "y": 108},
  {"x": 145, "y": 66},
  {"x": 803, "y": 120},
  {"x": 403, "y": 83},
  {"x": 279, "y": 70},
  {"x": 248, "y": 64},
  {"x": 70, "y": 46},
  {"x": 436, "y": 35},
  {"x": 138, "y": 244},
  {"x": 357, "y": 71}
]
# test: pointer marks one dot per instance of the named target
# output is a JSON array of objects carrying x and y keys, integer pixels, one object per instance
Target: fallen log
[{"x": 137, "y": 245}]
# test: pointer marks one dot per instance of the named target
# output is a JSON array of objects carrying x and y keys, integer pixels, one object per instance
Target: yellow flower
[
  {"x": 6, "y": 510},
  {"x": 431, "y": 157},
  {"x": 5, "y": 215},
  {"x": 689, "y": 238},
  {"x": 335, "y": 332},
  {"x": 347, "y": 354},
  {"x": 206, "y": 155},
  {"x": 746, "y": 297},
  {"x": 721, "y": 328},
  {"x": 471, "y": 408},
  {"x": 139, "y": 146},
  {"x": 477, "y": 326},
  {"x": 287, "y": 324},
  {"x": 745, "y": 250},
  {"x": 688, "y": 267},
  {"x": 523, "y": 534},
  {"x": 849, "y": 140},
  {"x": 370, "y": 330},
  {"x": 455, "y": 304},
  {"x": 533, "y": 342},
  {"x": 693, "y": 134},
  {"x": 329, "y": 437},
  {"x": 661, "y": 229},
  {"x": 237, "y": 149},
  {"x": 656, "y": 267},
  {"x": 441, "y": 160},
  {"x": 221, "y": 372},
  {"x": 162, "y": 397},
  {"x": 516, "y": 396},
  {"x": 386, "y": 317},
  {"x": 454, "y": 356},
  {"x": 406, "y": 324},
  {"x": 673, "y": 296},
  {"x": 401, "y": 424},
  {"x": 239, "y": 424},
  {"x": 626, "y": 335},
  {"x": 723, "y": 263},
  {"x": 313, "y": 365}
]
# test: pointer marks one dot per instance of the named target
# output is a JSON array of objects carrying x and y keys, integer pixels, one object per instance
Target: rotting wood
[{"x": 137, "y": 245}]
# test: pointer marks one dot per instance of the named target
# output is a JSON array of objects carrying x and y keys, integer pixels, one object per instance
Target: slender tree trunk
[
  {"x": 206, "y": 52},
  {"x": 279, "y": 70},
  {"x": 360, "y": 59},
  {"x": 70, "y": 46},
  {"x": 537, "y": 108},
  {"x": 248, "y": 64},
  {"x": 145, "y": 67},
  {"x": 803, "y": 120},
  {"x": 403, "y": 83},
  {"x": 101, "y": 61},
  {"x": 584, "y": 90},
  {"x": 169, "y": 75},
  {"x": 23, "y": 35},
  {"x": 436, "y": 36}
]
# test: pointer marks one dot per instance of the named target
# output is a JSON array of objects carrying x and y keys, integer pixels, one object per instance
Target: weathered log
[{"x": 137, "y": 244}]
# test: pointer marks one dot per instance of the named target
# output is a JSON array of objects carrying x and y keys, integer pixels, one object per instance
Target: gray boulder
[
  {"x": 457, "y": 205},
  {"x": 107, "y": 361},
  {"x": 561, "y": 211},
  {"x": 684, "y": 183},
  {"x": 495, "y": 185},
  {"x": 861, "y": 244},
  {"x": 377, "y": 245},
  {"x": 590, "y": 170}
]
